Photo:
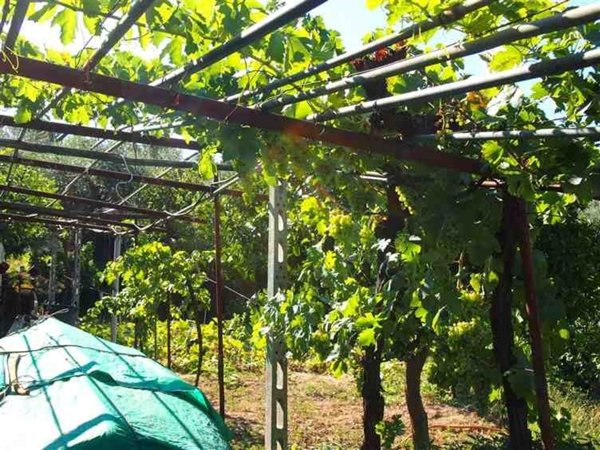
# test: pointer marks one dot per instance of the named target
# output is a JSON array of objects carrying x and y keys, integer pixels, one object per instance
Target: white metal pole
[
  {"x": 115, "y": 289},
  {"x": 52, "y": 274},
  {"x": 77, "y": 237}
]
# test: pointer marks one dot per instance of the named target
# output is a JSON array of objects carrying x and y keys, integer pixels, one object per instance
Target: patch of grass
[
  {"x": 585, "y": 412},
  {"x": 393, "y": 378},
  {"x": 478, "y": 443}
]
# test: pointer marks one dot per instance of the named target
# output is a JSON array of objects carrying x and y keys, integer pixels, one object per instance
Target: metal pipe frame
[
  {"x": 34, "y": 209},
  {"x": 224, "y": 112},
  {"x": 446, "y": 17},
  {"x": 76, "y": 281},
  {"x": 219, "y": 302},
  {"x": 525, "y": 72},
  {"x": 535, "y": 327},
  {"x": 247, "y": 37},
  {"x": 116, "y": 135},
  {"x": 250, "y": 35},
  {"x": 91, "y": 132},
  {"x": 16, "y": 24},
  {"x": 112, "y": 39},
  {"x": 124, "y": 24},
  {"x": 542, "y": 133},
  {"x": 561, "y": 21},
  {"x": 54, "y": 244},
  {"x": 116, "y": 34},
  {"x": 117, "y": 244},
  {"x": 414, "y": 182},
  {"x": 8, "y": 218},
  {"x": 114, "y": 175},
  {"x": 98, "y": 203},
  {"x": 95, "y": 155}
]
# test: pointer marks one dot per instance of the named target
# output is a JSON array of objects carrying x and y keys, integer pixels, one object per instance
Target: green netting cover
[{"x": 88, "y": 393}]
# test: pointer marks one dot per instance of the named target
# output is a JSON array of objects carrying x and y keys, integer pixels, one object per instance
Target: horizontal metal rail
[
  {"x": 542, "y": 133},
  {"x": 446, "y": 17},
  {"x": 415, "y": 183},
  {"x": 95, "y": 155},
  {"x": 494, "y": 184},
  {"x": 526, "y": 72},
  {"x": 247, "y": 37},
  {"x": 34, "y": 209},
  {"x": 8, "y": 218},
  {"x": 91, "y": 132},
  {"x": 114, "y": 175},
  {"x": 561, "y": 21},
  {"x": 225, "y": 112},
  {"x": 98, "y": 203}
]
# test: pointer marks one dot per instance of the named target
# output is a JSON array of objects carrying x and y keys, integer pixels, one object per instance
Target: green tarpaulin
[{"x": 64, "y": 388}]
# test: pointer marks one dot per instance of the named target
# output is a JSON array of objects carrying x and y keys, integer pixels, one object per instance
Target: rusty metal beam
[
  {"x": 114, "y": 175},
  {"x": 16, "y": 24},
  {"x": 219, "y": 302},
  {"x": 494, "y": 184},
  {"x": 592, "y": 133},
  {"x": 8, "y": 218},
  {"x": 97, "y": 203},
  {"x": 91, "y": 132},
  {"x": 224, "y": 112},
  {"x": 535, "y": 326},
  {"x": 95, "y": 155},
  {"x": 34, "y": 209}
]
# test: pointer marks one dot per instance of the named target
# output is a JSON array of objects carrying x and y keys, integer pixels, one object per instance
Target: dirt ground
[{"x": 325, "y": 413}]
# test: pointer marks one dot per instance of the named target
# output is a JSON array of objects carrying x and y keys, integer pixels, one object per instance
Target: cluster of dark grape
[
  {"x": 381, "y": 57},
  {"x": 378, "y": 88},
  {"x": 400, "y": 122}
]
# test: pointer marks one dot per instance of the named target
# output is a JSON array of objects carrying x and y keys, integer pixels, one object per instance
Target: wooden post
[
  {"x": 535, "y": 332},
  {"x": 276, "y": 369},
  {"x": 219, "y": 303},
  {"x": 115, "y": 288},
  {"x": 76, "y": 286},
  {"x": 501, "y": 319}
]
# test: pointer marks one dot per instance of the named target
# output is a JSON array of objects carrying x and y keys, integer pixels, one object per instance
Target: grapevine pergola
[{"x": 255, "y": 108}]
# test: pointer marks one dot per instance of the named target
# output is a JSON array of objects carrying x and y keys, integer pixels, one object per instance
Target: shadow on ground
[{"x": 245, "y": 431}]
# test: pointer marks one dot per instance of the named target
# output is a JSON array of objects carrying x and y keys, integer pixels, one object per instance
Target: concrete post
[{"x": 276, "y": 368}]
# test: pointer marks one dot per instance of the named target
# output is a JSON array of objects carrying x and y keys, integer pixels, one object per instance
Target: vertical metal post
[
  {"x": 2, "y": 259},
  {"x": 535, "y": 333},
  {"x": 219, "y": 303},
  {"x": 276, "y": 421},
  {"x": 115, "y": 288},
  {"x": 77, "y": 236},
  {"x": 52, "y": 274},
  {"x": 169, "y": 318}
]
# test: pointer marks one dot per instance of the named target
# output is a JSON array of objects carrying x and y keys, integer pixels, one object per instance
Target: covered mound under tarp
[{"x": 61, "y": 387}]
